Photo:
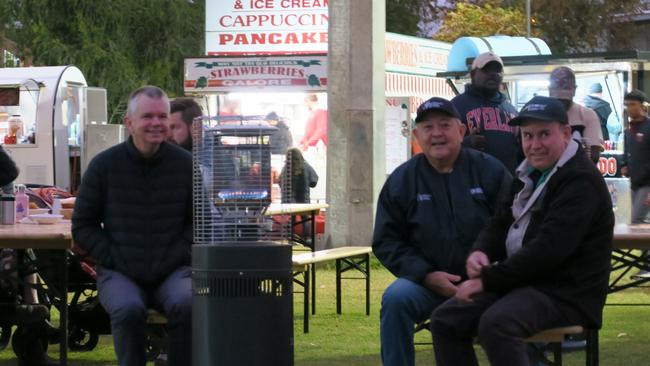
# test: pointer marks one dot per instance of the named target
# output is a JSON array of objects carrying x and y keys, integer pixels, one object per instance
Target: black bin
[{"x": 242, "y": 309}]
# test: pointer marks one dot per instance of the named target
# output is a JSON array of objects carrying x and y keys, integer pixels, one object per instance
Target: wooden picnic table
[
  {"x": 45, "y": 237},
  {"x": 630, "y": 253}
]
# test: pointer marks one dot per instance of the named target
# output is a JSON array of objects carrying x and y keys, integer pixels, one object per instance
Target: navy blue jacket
[
  {"x": 134, "y": 215},
  {"x": 490, "y": 117},
  {"x": 427, "y": 221}
]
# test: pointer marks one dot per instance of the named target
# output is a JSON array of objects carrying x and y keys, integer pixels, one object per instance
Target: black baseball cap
[
  {"x": 436, "y": 104},
  {"x": 541, "y": 109},
  {"x": 637, "y": 95}
]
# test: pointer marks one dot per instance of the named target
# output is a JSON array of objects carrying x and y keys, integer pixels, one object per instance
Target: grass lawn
[{"x": 353, "y": 338}]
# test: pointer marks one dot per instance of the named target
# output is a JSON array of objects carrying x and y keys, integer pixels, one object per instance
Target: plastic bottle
[{"x": 22, "y": 203}]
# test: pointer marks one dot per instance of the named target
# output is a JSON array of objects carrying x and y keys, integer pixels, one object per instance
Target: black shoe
[
  {"x": 31, "y": 314},
  {"x": 30, "y": 346}
]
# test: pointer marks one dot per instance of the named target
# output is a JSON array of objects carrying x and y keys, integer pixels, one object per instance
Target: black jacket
[
  {"x": 134, "y": 215},
  {"x": 8, "y": 169},
  {"x": 490, "y": 117},
  {"x": 295, "y": 188},
  {"x": 637, "y": 153},
  {"x": 427, "y": 221},
  {"x": 281, "y": 139},
  {"x": 602, "y": 109},
  {"x": 566, "y": 250}
]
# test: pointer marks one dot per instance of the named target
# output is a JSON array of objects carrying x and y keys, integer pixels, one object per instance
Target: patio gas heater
[{"x": 242, "y": 310}]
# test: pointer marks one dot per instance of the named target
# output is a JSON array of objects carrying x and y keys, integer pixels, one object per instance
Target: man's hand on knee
[
  {"x": 442, "y": 283},
  {"x": 468, "y": 289}
]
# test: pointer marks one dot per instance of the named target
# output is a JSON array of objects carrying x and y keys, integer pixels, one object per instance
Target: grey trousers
[
  {"x": 639, "y": 208},
  {"x": 126, "y": 303}
]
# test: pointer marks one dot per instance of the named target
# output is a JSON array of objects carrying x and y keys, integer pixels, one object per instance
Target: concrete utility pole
[{"x": 356, "y": 103}]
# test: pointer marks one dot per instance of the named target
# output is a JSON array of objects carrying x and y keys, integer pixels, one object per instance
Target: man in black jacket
[
  {"x": 485, "y": 111},
  {"x": 429, "y": 212},
  {"x": 544, "y": 259},
  {"x": 636, "y": 162},
  {"x": 133, "y": 215}
]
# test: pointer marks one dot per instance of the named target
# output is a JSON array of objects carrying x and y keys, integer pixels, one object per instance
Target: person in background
[
  {"x": 281, "y": 139},
  {"x": 316, "y": 126},
  {"x": 543, "y": 261},
  {"x": 133, "y": 215},
  {"x": 602, "y": 108},
  {"x": 182, "y": 113},
  {"x": 485, "y": 112},
  {"x": 296, "y": 178},
  {"x": 429, "y": 213},
  {"x": 636, "y": 158},
  {"x": 584, "y": 122}
]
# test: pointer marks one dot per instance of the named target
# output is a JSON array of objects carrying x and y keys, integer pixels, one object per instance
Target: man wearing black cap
[
  {"x": 485, "y": 111},
  {"x": 428, "y": 214},
  {"x": 543, "y": 261},
  {"x": 636, "y": 163}
]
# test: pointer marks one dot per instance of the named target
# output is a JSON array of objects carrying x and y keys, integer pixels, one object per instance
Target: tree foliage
[
  {"x": 566, "y": 26},
  {"x": 118, "y": 44},
  {"x": 585, "y": 25},
  {"x": 478, "y": 21}
]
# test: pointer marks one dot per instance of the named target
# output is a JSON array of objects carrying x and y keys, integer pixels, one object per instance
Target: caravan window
[{"x": 18, "y": 113}]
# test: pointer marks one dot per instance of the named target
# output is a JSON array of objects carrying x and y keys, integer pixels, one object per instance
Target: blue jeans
[
  {"x": 126, "y": 303},
  {"x": 404, "y": 304}
]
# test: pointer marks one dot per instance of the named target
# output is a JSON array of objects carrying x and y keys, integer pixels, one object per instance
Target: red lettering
[
  {"x": 225, "y": 38},
  {"x": 241, "y": 39},
  {"x": 291, "y": 38}
]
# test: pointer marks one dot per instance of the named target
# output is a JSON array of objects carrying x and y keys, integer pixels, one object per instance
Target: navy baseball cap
[
  {"x": 541, "y": 109},
  {"x": 436, "y": 104}
]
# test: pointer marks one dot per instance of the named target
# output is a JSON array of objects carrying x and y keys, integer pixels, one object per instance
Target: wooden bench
[
  {"x": 554, "y": 338},
  {"x": 347, "y": 258},
  {"x": 156, "y": 341}
]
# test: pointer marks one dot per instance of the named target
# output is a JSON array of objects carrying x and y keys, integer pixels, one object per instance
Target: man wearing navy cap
[
  {"x": 543, "y": 261},
  {"x": 429, "y": 213}
]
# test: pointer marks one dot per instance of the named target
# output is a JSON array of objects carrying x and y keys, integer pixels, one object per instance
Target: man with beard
[
  {"x": 485, "y": 111},
  {"x": 182, "y": 113}
]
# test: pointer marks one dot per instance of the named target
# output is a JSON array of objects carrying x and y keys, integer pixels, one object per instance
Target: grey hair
[{"x": 150, "y": 91}]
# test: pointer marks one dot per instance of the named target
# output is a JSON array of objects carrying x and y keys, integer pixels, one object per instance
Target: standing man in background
[
  {"x": 583, "y": 121},
  {"x": 485, "y": 111},
  {"x": 595, "y": 102},
  {"x": 636, "y": 163},
  {"x": 316, "y": 127}
]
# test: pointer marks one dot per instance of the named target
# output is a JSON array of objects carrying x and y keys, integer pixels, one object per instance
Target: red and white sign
[
  {"x": 304, "y": 73},
  {"x": 265, "y": 27},
  {"x": 413, "y": 55}
]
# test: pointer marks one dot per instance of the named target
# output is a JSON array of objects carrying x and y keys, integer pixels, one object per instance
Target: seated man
[
  {"x": 544, "y": 259},
  {"x": 429, "y": 213},
  {"x": 133, "y": 215}
]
